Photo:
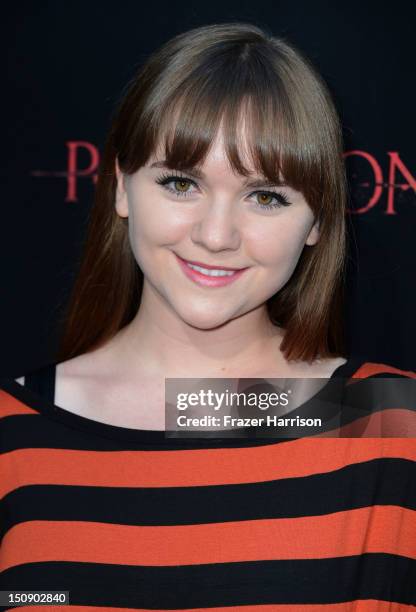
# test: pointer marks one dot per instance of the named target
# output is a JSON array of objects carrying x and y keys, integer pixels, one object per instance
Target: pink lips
[{"x": 209, "y": 281}]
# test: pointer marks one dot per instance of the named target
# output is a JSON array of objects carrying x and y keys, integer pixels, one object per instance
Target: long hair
[{"x": 200, "y": 78}]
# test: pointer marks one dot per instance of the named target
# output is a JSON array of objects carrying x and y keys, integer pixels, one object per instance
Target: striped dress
[{"x": 127, "y": 519}]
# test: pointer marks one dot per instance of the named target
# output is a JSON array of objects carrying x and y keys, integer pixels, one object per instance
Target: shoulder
[
  {"x": 370, "y": 368},
  {"x": 327, "y": 367},
  {"x": 362, "y": 366},
  {"x": 319, "y": 368},
  {"x": 380, "y": 401}
]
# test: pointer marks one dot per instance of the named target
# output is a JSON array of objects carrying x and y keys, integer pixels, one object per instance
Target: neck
[{"x": 157, "y": 343}]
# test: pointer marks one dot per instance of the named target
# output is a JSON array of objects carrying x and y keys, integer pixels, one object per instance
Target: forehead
[{"x": 217, "y": 155}]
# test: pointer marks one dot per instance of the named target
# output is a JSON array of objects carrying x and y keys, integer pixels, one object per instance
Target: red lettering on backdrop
[
  {"x": 74, "y": 172},
  {"x": 396, "y": 162},
  {"x": 378, "y": 180}
]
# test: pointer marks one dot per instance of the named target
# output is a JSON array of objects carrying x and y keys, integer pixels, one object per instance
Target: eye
[
  {"x": 268, "y": 201},
  {"x": 280, "y": 199},
  {"x": 180, "y": 184}
]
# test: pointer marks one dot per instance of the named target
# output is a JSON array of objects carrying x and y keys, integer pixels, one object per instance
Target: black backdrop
[{"x": 67, "y": 63}]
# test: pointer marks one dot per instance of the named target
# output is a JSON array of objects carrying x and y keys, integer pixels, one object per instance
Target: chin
[{"x": 204, "y": 321}]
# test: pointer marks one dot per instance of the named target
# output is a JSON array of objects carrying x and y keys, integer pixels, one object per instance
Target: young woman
[{"x": 216, "y": 249}]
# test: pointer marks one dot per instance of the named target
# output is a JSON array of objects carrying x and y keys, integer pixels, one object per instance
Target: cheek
[
  {"x": 278, "y": 243},
  {"x": 154, "y": 223}
]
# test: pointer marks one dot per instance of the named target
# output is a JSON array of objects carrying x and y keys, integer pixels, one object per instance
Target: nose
[{"x": 216, "y": 228}]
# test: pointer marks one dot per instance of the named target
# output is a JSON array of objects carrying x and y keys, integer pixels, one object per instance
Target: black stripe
[
  {"x": 306, "y": 581},
  {"x": 35, "y": 431},
  {"x": 376, "y": 482}
]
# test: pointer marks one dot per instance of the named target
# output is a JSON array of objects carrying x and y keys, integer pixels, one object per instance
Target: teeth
[{"x": 210, "y": 272}]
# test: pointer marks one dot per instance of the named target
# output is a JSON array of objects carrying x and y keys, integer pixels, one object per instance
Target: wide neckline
[{"x": 49, "y": 409}]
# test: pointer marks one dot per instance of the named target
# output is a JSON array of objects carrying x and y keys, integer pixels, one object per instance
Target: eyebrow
[{"x": 195, "y": 173}]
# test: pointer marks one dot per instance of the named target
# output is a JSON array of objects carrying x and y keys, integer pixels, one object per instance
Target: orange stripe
[
  {"x": 370, "y": 369},
  {"x": 302, "y": 457},
  {"x": 10, "y": 405},
  {"x": 388, "y": 529},
  {"x": 358, "y": 605}
]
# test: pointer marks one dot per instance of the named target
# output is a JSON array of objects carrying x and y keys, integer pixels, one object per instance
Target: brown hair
[{"x": 201, "y": 77}]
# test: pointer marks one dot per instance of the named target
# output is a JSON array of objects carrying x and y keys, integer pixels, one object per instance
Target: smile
[
  {"x": 210, "y": 272},
  {"x": 209, "y": 277}
]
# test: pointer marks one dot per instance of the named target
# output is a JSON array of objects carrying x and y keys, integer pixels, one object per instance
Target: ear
[
  {"x": 121, "y": 203},
  {"x": 313, "y": 235}
]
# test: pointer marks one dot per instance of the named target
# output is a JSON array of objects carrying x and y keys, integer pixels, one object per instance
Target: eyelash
[{"x": 164, "y": 179}]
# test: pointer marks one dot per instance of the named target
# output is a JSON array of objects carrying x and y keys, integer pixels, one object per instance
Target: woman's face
[{"x": 217, "y": 220}]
